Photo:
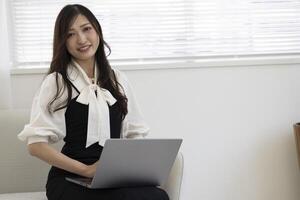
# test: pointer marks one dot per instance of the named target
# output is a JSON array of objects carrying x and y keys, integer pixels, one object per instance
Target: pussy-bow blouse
[{"x": 50, "y": 128}]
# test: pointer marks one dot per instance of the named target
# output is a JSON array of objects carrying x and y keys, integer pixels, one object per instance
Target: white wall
[
  {"x": 236, "y": 124},
  {"x": 5, "y": 100}
]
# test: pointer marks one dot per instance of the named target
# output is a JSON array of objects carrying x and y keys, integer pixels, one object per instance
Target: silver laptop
[{"x": 133, "y": 162}]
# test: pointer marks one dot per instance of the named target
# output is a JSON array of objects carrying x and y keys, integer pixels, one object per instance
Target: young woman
[{"x": 84, "y": 102}]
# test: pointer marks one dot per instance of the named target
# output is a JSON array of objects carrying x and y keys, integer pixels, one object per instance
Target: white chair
[
  {"x": 173, "y": 184},
  {"x": 23, "y": 177}
]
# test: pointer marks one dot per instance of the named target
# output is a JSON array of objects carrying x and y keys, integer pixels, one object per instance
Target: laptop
[{"x": 133, "y": 163}]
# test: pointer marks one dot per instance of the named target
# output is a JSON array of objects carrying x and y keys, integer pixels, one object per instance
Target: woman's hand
[{"x": 90, "y": 170}]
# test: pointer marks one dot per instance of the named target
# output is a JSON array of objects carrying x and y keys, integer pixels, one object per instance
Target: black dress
[{"x": 57, "y": 188}]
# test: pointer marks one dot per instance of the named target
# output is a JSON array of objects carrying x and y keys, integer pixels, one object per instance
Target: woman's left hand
[{"x": 90, "y": 170}]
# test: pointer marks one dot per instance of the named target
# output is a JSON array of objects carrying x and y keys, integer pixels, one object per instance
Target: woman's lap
[{"x": 60, "y": 189}]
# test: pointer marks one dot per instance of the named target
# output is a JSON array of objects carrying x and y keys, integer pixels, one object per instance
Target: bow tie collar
[
  {"x": 94, "y": 91},
  {"x": 98, "y": 99}
]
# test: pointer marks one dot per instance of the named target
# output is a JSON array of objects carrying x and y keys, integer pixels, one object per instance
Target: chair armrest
[{"x": 173, "y": 184}]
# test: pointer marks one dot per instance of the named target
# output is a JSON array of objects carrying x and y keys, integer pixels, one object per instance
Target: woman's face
[{"x": 83, "y": 40}]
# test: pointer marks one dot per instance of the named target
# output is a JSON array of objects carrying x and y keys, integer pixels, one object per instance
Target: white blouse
[{"x": 46, "y": 127}]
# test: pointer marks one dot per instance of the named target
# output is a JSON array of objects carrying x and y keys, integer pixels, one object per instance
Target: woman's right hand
[
  {"x": 47, "y": 153},
  {"x": 90, "y": 170}
]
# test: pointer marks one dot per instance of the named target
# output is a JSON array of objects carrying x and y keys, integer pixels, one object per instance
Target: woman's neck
[{"x": 88, "y": 66}]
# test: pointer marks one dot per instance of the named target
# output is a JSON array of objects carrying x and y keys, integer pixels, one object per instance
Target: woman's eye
[
  {"x": 87, "y": 28},
  {"x": 71, "y": 34}
]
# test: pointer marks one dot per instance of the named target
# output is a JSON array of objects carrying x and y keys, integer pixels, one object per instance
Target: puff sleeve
[
  {"x": 134, "y": 125},
  {"x": 43, "y": 126}
]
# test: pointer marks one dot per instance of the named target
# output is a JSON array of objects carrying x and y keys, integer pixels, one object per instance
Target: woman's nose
[{"x": 81, "y": 39}]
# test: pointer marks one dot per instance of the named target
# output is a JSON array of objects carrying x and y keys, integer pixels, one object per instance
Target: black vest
[{"x": 76, "y": 118}]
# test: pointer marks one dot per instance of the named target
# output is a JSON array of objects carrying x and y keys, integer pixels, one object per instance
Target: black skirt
[{"x": 60, "y": 189}]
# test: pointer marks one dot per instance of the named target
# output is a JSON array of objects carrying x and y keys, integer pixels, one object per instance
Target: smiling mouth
[{"x": 84, "y": 48}]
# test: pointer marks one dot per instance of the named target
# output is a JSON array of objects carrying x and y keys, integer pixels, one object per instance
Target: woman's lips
[{"x": 84, "y": 48}]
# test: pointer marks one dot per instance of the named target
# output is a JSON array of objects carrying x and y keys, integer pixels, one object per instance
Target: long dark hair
[{"x": 61, "y": 58}]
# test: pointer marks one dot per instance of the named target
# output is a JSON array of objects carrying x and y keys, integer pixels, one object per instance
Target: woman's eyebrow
[
  {"x": 71, "y": 29},
  {"x": 85, "y": 24}
]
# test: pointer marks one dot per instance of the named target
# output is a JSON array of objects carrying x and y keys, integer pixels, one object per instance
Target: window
[{"x": 164, "y": 30}]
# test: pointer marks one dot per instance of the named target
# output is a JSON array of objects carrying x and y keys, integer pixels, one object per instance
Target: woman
[{"x": 84, "y": 102}]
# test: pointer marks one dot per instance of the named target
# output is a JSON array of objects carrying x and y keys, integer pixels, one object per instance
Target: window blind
[{"x": 141, "y": 30}]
